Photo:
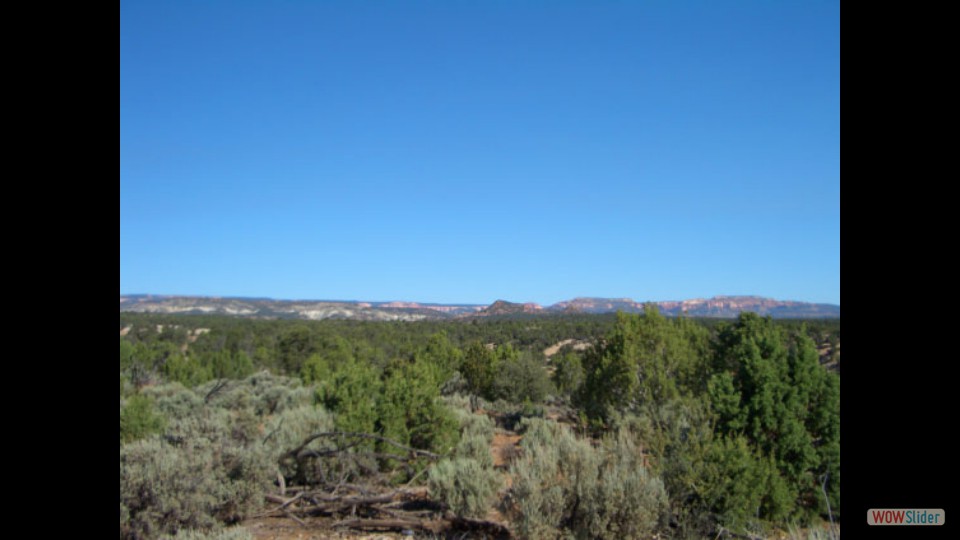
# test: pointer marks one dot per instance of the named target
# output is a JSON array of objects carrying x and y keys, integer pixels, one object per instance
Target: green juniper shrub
[
  {"x": 479, "y": 368},
  {"x": 521, "y": 378},
  {"x": 139, "y": 418},
  {"x": 410, "y": 410},
  {"x": 353, "y": 394},
  {"x": 745, "y": 490},
  {"x": 676, "y": 437},
  {"x": 770, "y": 388},
  {"x": 186, "y": 370},
  {"x": 568, "y": 377},
  {"x": 315, "y": 369}
]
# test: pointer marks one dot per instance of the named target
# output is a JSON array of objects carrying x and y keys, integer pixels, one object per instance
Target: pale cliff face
[{"x": 719, "y": 306}]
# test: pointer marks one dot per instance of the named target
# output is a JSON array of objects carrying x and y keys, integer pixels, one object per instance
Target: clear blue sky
[{"x": 453, "y": 151}]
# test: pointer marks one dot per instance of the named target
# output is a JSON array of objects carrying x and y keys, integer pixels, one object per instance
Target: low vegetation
[
  {"x": 669, "y": 427},
  {"x": 569, "y": 485}
]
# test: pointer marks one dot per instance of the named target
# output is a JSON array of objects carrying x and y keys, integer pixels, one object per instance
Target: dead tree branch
[{"x": 296, "y": 453}]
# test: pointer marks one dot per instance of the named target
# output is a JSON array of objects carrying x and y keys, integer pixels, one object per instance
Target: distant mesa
[
  {"x": 504, "y": 308},
  {"x": 263, "y": 308},
  {"x": 440, "y": 308},
  {"x": 598, "y": 305},
  {"x": 409, "y": 305}
]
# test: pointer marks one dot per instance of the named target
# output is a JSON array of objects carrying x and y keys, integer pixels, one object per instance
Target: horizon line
[{"x": 447, "y": 303}]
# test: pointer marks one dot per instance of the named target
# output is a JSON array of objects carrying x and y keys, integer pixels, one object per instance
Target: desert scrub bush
[
  {"x": 456, "y": 384},
  {"x": 546, "y": 479},
  {"x": 627, "y": 501},
  {"x": 174, "y": 401},
  {"x": 565, "y": 486},
  {"x": 468, "y": 483},
  {"x": 475, "y": 447},
  {"x": 198, "y": 483},
  {"x": 510, "y": 415},
  {"x": 124, "y": 518},
  {"x": 465, "y": 485},
  {"x": 263, "y": 392},
  {"x": 240, "y": 416},
  {"x": 288, "y": 430},
  {"x": 216, "y": 457},
  {"x": 470, "y": 423},
  {"x": 476, "y": 435},
  {"x": 457, "y": 401}
]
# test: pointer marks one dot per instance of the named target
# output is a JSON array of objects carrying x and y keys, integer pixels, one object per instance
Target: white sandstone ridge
[
  {"x": 291, "y": 309},
  {"x": 263, "y": 308}
]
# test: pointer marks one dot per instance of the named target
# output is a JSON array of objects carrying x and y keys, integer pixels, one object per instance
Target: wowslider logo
[{"x": 897, "y": 516}]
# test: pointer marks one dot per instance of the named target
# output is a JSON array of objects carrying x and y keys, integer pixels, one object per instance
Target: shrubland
[{"x": 670, "y": 427}]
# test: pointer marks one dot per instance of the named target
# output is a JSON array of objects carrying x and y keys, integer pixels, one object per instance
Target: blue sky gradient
[{"x": 453, "y": 151}]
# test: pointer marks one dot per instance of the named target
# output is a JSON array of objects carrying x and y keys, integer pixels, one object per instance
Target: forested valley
[{"x": 564, "y": 426}]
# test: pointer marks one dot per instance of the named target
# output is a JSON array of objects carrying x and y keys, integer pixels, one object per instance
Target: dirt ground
[
  {"x": 315, "y": 529},
  {"x": 505, "y": 446}
]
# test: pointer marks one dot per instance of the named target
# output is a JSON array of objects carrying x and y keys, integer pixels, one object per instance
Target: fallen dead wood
[
  {"x": 395, "y": 510},
  {"x": 414, "y": 452},
  {"x": 299, "y": 521},
  {"x": 341, "y": 457},
  {"x": 338, "y": 479},
  {"x": 399, "y": 494},
  {"x": 284, "y": 503},
  {"x": 316, "y": 503}
]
